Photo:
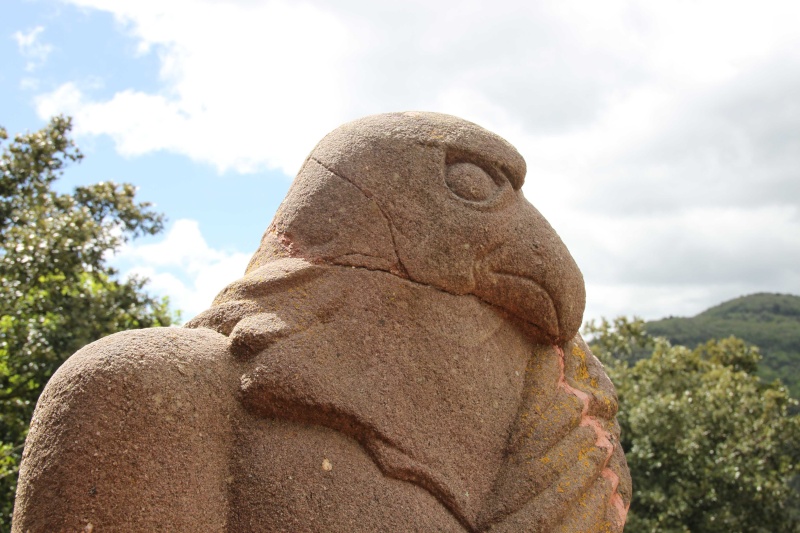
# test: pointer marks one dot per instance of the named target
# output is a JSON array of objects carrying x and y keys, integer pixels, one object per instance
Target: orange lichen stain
[
  {"x": 544, "y": 460},
  {"x": 603, "y": 436},
  {"x": 616, "y": 500}
]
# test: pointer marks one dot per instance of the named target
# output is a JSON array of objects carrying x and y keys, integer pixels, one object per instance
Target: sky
[{"x": 662, "y": 138}]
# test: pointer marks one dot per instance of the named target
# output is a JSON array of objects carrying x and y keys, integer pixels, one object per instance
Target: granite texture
[{"x": 402, "y": 354}]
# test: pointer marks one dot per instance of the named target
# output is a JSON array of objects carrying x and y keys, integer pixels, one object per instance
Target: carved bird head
[{"x": 437, "y": 200}]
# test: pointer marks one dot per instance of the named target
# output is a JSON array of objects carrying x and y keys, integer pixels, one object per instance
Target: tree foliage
[
  {"x": 770, "y": 321},
  {"x": 57, "y": 291},
  {"x": 711, "y": 447}
]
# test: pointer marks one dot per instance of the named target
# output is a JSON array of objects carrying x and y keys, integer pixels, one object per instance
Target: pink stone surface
[{"x": 402, "y": 354}]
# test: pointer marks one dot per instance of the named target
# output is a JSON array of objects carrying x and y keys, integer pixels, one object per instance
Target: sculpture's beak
[{"x": 534, "y": 278}]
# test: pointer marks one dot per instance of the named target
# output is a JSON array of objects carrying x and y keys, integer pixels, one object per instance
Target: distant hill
[{"x": 770, "y": 321}]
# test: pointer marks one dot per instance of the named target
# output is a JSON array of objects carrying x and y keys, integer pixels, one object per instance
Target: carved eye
[{"x": 470, "y": 182}]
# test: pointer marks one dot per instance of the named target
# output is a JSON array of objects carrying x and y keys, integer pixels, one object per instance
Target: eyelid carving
[{"x": 472, "y": 180}]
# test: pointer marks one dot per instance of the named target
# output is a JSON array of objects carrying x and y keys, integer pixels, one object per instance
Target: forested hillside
[{"x": 770, "y": 321}]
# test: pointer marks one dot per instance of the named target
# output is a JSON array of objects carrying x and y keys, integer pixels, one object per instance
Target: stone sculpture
[{"x": 402, "y": 354}]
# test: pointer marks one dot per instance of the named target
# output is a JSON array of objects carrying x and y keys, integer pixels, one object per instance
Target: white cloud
[
  {"x": 246, "y": 85},
  {"x": 32, "y": 48},
  {"x": 661, "y": 138},
  {"x": 684, "y": 262},
  {"x": 29, "y": 84},
  {"x": 66, "y": 99},
  {"x": 183, "y": 266}
]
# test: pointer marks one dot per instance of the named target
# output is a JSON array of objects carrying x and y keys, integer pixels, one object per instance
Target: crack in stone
[
  {"x": 496, "y": 307},
  {"x": 392, "y": 229}
]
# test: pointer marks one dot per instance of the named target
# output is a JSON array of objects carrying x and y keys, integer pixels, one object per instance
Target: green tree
[
  {"x": 770, "y": 321},
  {"x": 710, "y": 446},
  {"x": 57, "y": 291}
]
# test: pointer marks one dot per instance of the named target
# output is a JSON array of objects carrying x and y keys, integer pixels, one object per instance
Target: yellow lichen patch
[
  {"x": 606, "y": 527},
  {"x": 583, "y": 455},
  {"x": 582, "y": 373},
  {"x": 582, "y": 500}
]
